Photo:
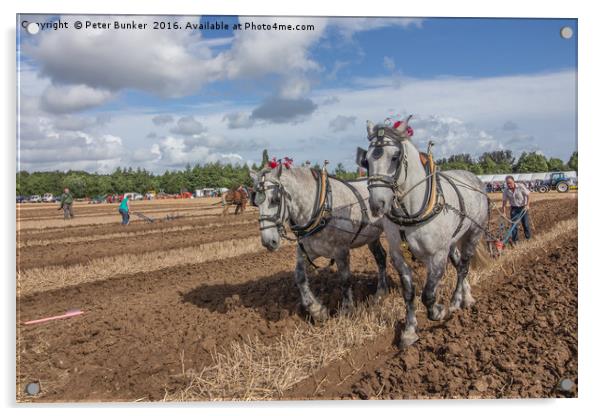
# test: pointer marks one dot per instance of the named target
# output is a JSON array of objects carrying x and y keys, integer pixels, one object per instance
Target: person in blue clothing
[{"x": 124, "y": 210}]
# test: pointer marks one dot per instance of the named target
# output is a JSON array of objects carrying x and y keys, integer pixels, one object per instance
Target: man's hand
[{"x": 526, "y": 208}]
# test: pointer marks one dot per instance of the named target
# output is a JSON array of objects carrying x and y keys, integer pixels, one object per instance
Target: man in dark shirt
[{"x": 67, "y": 204}]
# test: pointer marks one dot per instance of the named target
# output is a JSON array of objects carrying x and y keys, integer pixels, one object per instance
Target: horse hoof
[
  {"x": 381, "y": 294},
  {"x": 407, "y": 339},
  {"x": 319, "y": 313},
  {"x": 454, "y": 307},
  {"x": 468, "y": 302},
  {"x": 437, "y": 313},
  {"x": 346, "y": 309}
]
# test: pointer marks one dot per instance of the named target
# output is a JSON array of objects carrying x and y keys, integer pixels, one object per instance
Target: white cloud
[
  {"x": 73, "y": 98},
  {"x": 162, "y": 119},
  {"x": 255, "y": 53},
  {"x": 349, "y": 26},
  {"x": 281, "y": 110},
  {"x": 389, "y": 63},
  {"x": 42, "y": 147},
  {"x": 238, "y": 120},
  {"x": 188, "y": 126},
  {"x": 167, "y": 63},
  {"x": 173, "y": 63},
  {"x": 341, "y": 123},
  {"x": 173, "y": 152}
]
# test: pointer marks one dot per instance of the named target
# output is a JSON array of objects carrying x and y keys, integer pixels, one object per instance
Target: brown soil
[
  {"x": 140, "y": 333},
  {"x": 134, "y": 226},
  {"x": 74, "y": 253},
  {"x": 519, "y": 341}
]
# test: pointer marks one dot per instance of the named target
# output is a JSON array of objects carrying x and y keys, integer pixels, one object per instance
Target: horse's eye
[{"x": 395, "y": 157}]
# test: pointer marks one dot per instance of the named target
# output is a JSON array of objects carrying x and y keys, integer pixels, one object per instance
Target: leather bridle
[
  {"x": 319, "y": 218},
  {"x": 278, "y": 219},
  {"x": 377, "y": 142}
]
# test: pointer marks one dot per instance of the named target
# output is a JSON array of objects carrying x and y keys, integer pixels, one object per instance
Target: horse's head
[
  {"x": 268, "y": 196},
  {"x": 383, "y": 160}
]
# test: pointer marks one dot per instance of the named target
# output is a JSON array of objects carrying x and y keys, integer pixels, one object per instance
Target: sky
[{"x": 97, "y": 98}]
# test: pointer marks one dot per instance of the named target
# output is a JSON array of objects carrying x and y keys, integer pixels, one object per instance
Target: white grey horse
[
  {"x": 399, "y": 189},
  {"x": 290, "y": 196}
]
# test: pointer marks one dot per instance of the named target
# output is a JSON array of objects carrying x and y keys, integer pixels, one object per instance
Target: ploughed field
[{"x": 194, "y": 308}]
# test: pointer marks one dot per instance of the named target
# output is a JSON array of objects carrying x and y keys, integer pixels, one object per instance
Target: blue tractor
[{"x": 556, "y": 180}]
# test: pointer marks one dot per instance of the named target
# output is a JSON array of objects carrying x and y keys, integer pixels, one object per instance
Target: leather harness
[
  {"x": 434, "y": 200},
  {"x": 321, "y": 213}
]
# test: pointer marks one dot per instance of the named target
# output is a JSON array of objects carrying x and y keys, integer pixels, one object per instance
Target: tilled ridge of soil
[
  {"x": 65, "y": 254},
  {"x": 519, "y": 341},
  {"x": 135, "y": 225}
]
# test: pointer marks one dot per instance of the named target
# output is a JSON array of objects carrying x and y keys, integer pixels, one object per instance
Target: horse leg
[
  {"x": 380, "y": 255},
  {"x": 343, "y": 269},
  {"x": 317, "y": 311},
  {"x": 408, "y": 337},
  {"x": 436, "y": 268},
  {"x": 468, "y": 251},
  {"x": 456, "y": 260}
]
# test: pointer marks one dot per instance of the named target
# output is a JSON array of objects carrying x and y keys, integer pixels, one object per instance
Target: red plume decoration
[{"x": 287, "y": 162}]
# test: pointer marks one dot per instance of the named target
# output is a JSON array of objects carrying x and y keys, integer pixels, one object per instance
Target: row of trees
[
  {"x": 503, "y": 161},
  {"x": 212, "y": 175},
  {"x": 217, "y": 175}
]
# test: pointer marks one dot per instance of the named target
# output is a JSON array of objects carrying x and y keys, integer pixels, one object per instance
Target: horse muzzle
[
  {"x": 380, "y": 204},
  {"x": 271, "y": 243}
]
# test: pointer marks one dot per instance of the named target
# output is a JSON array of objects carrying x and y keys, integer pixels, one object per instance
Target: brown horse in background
[{"x": 236, "y": 197}]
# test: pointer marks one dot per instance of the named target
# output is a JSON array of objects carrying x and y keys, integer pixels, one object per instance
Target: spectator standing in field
[
  {"x": 517, "y": 196},
  {"x": 124, "y": 210},
  {"x": 67, "y": 204}
]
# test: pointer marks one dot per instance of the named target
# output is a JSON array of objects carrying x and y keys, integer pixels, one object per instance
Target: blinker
[
  {"x": 377, "y": 152},
  {"x": 258, "y": 198}
]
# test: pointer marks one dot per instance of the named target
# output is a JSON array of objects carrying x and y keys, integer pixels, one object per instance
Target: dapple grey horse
[
  {"x": 288, "y": 196},
  {"x": 398, "y": 186}
]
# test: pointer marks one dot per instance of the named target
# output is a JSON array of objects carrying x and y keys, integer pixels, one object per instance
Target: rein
[
  {"x": 433, "y": 202},
  {"x": 319, "y": 218}
]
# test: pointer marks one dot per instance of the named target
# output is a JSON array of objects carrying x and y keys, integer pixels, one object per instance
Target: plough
[
  {"x": 144, "y": 217},
  {"x": 168, "y": 217},
  {"x": 496, "y": 244}
]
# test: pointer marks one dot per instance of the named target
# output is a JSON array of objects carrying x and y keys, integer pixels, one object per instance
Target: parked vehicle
[
  {"x": 35, "y": 198},
  {"x": 98, "y": 199},
  {"x": 21, "y": 199},
  {"x": 539, "y": 182},
  {"x": 48, "y": 197},
  {"x": 134, "y": 196}
]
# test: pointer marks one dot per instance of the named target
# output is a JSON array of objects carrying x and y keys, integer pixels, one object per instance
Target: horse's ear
[
  {"x": 254, "y": 175},
  {"x": 370, "y": 128},
  {"x": 279, "y": 171},
  {"x": 403, "y": 126},
  {"x": 360, "y": 158}
]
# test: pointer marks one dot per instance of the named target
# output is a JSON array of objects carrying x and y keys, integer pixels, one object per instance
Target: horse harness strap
[
  {"x": 434, "y": 200},
  {"x": 322, "y": 207},
  {"x": 364, "y": 208},
  {"x": 462, "y": 211}
]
